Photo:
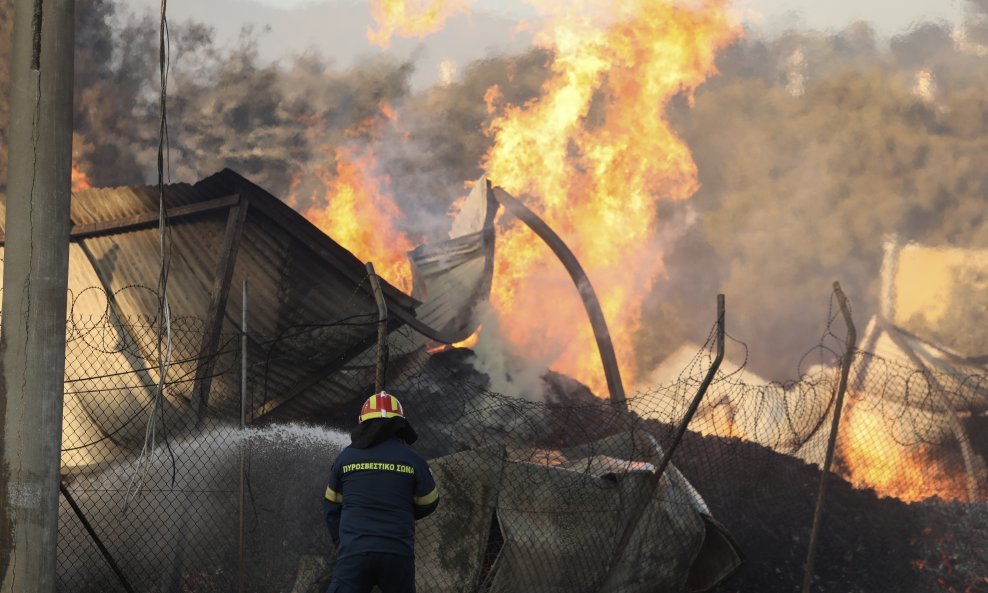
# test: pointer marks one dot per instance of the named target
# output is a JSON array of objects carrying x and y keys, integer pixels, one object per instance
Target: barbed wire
[{"x": 554, "y": 475}]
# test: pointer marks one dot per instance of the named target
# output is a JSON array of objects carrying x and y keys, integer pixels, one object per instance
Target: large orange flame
[
  {"x": 593, "y": 154},
  {"x": 358, "y": 213},
  {"x": 873, "y": 458},
  {"x": 410, "y": 18}
]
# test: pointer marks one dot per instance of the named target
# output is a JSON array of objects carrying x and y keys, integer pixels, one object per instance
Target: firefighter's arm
[
  {"x": 332, "y": 511},
  {"x": 332, "y": 504},
  {"x": 426, "y": 494}
]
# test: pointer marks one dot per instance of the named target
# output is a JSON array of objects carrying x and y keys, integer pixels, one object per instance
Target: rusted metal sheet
[
  {"x": 452, "y": 277},
  {"x": 151, "y": 219},
  {"x": 307, "y": 316},
  {"x": 134, "y": 259},
  {"x": 129, "y": 265},
  {"x": 291, "y": 286},
  {"x": 312, "y": 239}
]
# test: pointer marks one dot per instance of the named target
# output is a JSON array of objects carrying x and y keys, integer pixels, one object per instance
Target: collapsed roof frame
[{"x": 224, "y": 227}]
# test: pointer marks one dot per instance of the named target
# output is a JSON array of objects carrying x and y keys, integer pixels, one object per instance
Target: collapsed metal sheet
[
  {"x": 717, "y": 556},
  {"x": 937, "y": 294},
  {"x": 108, "y": 379},
  {"x": 674, "y": 537},
  {"x": 450, "y": 544},
  {"x": 583, "y": 519},
  {"x": 566, "y": 532},
  {"x": 451, "y": 277},
  {"x": 558, "y": 527},
  {"x": 298, "y": 277},
  {"x": 960, "y": 380}
]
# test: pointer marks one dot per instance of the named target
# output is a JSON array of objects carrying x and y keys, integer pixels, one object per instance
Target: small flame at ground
[
  {"x": 874, "y": 459},
  {"x": 471, "y": 341},
  {"x": 594, "y": 153},
  {"x": 410, "y": 18}
]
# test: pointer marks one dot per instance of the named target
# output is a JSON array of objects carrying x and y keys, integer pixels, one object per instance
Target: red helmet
[{"x": 381, "y": 405}]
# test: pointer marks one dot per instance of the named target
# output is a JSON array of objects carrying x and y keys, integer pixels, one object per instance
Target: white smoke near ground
[
  {"x": 189, "y": 495},
  {"x": 509, "y": 375}
]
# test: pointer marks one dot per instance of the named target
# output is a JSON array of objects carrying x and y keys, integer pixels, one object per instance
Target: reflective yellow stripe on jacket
[
  {"x": 333, "y": 495},
  {"x": 428, "y": 498}
]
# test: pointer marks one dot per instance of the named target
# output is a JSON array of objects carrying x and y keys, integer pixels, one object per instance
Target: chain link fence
[{"x": 554, "y": 491}]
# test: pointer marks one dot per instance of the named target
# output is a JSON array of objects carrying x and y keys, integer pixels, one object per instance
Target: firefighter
[{"x": 378, "y": 487}]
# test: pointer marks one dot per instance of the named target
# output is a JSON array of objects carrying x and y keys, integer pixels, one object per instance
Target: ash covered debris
[
  {"x": 868, "y": 543},
  {"x": 764, "y": 499}
]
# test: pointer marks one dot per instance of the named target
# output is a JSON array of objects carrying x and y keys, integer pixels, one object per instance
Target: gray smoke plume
[
  {"x": 226, "y": 108},
  {"x": 801, "y": 179},
  {"x": 810, "y": 146}
]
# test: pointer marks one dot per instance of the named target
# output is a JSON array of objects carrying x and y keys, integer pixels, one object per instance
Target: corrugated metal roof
[{"x": 303, "y": 289}]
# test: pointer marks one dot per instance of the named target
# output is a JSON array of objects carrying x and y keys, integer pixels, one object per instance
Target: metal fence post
[
  {"x": 845, "y": 369},
  {"x": 242, "y": 567},
  {"x": 608, "y": 358},
  {"x": 96, "y": 539},
  {"x": 629, "y": 527},
  {"x": 380, "y": 376}
]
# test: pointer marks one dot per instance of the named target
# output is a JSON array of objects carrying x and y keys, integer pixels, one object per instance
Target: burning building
[
  {"x": 220, "y": 232},
  {"x": 593, "y": 152},
  {"x": 918, "y": 387},
  {"x": 924, "y": 381},
  {"x": 308, "y": 319}
]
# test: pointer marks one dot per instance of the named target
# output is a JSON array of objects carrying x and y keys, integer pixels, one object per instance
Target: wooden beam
[
  {"x": 148, "y": 219},
  {"x": 382, "y": 330},
  {"x": 218, "y": 296}
]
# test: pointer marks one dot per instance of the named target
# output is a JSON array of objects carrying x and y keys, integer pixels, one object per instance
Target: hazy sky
[
  {"x": 337, "y": 28},
  {"x": 888, "y": 16}
]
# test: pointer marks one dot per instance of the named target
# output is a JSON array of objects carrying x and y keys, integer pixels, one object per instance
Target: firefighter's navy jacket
[{"x": 374, "y": 497}]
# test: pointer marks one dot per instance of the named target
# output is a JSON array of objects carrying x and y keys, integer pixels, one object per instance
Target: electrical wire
[{"x": 146, "y": 456}]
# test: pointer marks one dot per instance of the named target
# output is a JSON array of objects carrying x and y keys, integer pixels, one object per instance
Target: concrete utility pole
[{"x": 35, "y": 280}]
